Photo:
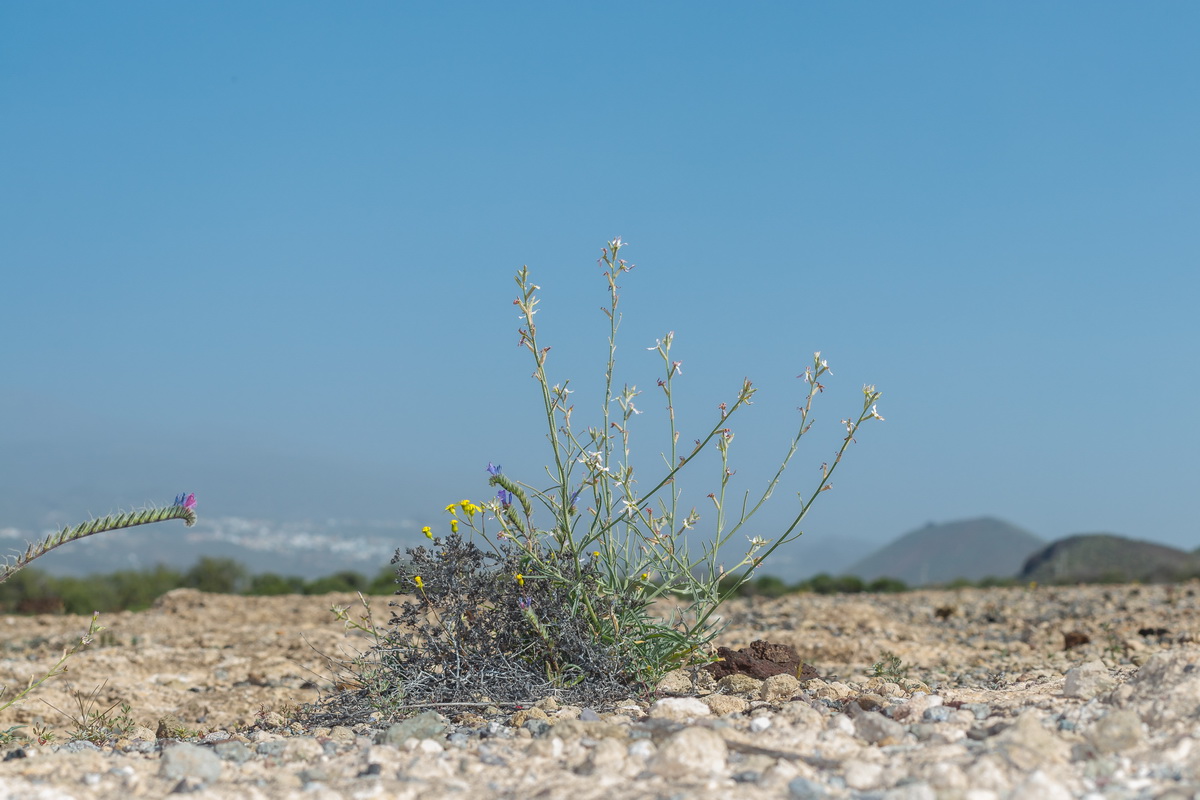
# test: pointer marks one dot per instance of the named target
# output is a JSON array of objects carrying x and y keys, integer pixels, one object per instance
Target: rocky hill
[
  {"x": 1091, "y": 557},
  {"x": 971, "y": 549}
]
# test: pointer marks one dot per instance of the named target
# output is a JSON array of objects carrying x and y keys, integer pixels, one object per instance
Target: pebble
[
  {"x": 690, "y": 751},
  {"x": 425, "y": 725},
  {"x": 679, "y": 708},
  {"x": 184, "y": 760}
]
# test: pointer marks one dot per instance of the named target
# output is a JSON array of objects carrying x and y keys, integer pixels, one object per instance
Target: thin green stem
[{"x": 110, "y": 523}]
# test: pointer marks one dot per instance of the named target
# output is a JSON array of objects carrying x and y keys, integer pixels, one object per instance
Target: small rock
[
  {"x": 313, "y": 775},
  {"x": 1073, "y": 639},
  {"x": 425, "y": 725},
  {"x": 536, "y": 727},
  {"x": 868, "y": 701},
  {"x": 738, "y": 683},
  {"x": 804, "y": 789},
  {"x": 877, "y": 729},
  {"x": 1167, "y": 687},
  {"x": 1040, "y": 786},
  {"x": 189, "y": 761},
  {"x": 917, "y": 707},
  {"x": 519, "y": 718},
  {"x": 236, "y": 752},
  {"x": 1087, "y": 680},
  {"x": 302, "y": 748},
  {"x": 779, "y": 688},
  {"x": 1117, "y": 731},
  {"x": 608, "y": 757},
  {"x": 676, "y": 682},
  {"x": 721, "y": 704},
  {"x": 340, "y": 733},
  {"x": 1029, "y": 746},
  {"x": 918, "y": 790},
  {"x": 679, "y": 708},
  {"x": 690, "y": 752},
  {"x": 274, "y": 747},
  {"x": 937, "y": 714},
  {"x": 980, "y": 710},
  {"x": 862, "y": 775},
  {"x": 143, "y": 733},
  {"x": 760, "y": 724}
]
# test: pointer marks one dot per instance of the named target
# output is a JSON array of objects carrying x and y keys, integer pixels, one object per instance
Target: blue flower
[
  {"x": 187, "y": 501},
  {"x": 494, "y": 469},
  {"x": 505, "y": 497}
]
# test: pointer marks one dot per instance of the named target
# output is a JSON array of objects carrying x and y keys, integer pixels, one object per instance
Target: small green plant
[
  {"x": 1116, "y": 648},
  {"x": 555, "y": 589},
  {"x": 93, "y": 724},
  {"x": 183, "y": 508},
  {"x": 890, "y": 667}
]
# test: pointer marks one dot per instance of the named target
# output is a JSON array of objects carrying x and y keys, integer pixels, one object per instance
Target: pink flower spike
[{"x": 186, "y": 501}]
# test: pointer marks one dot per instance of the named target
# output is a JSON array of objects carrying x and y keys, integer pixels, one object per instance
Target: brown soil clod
[{"x": 761, "y": 660}]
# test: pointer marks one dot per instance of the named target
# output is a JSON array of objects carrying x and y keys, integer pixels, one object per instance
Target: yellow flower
[
  {"x": 454, "y": 526},
  {"x": 428, "y": 531},
  {"x": 595, "y": 554},
  {"x": 645, "y": 576},
  {"x": 520, "y": 579},
  {"x": 420, "y": 583},
  {"x": 451, "y": 507},
  {"x": 469, "y": 508}
]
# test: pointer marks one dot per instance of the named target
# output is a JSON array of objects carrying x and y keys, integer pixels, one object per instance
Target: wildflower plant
[
  {"x": 183, "y": 508},
  {"x": 558, "y": 589}
]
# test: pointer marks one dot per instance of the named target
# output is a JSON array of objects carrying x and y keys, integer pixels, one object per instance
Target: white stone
[
  {"x": 1088, "y": 680},
  {"x": 679, "y": 708},
  {"x": 691, "y": 752}
]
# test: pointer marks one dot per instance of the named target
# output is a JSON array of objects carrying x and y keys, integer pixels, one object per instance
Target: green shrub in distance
[
  {"x": 339, "y": 582},
  {"x": 217, "y": 575},
  {"x": 268, "y": 584}
]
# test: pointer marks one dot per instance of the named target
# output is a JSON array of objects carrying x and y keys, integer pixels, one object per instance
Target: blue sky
[{"x": 264, "y": 251}]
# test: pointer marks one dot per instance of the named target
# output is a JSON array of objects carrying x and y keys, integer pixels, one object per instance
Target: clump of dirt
[{"x": 761, "y": 660}]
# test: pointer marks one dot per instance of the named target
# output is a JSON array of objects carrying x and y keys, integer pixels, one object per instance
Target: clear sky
[{"x": 264, "y": 251}]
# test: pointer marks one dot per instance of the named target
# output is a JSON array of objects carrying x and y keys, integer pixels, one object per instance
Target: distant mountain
[
  {"x": 1090, "y": 557},
  {"x": 971, "y": 549},
  {"x": 807, "y": 557}
]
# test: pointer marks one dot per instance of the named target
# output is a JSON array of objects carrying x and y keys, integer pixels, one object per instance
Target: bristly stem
[{"x": 112, "y": 522}]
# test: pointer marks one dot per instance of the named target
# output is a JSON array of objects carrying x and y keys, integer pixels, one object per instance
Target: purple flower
[
  {"x": 493, "y": 469},
  {"x": 574, "y": 497},
  {"x": 187, "y": 501},
  {"x": 505, "y": 497},
  {"x": 525, "y": 603}
]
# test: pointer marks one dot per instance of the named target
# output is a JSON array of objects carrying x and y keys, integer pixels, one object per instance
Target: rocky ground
[{"x": 1089, "y": 692}]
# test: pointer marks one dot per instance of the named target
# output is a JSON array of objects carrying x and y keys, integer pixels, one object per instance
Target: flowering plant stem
[
  {"x": 183, "y": 509},
  {"x": 638, "y": 544}
]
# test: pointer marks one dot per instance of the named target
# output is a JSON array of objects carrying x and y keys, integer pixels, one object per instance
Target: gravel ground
[{"x": 1088, "y": 692}]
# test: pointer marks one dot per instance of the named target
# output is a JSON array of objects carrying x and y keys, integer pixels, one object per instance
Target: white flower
[{"x": 594, "y": 461}]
